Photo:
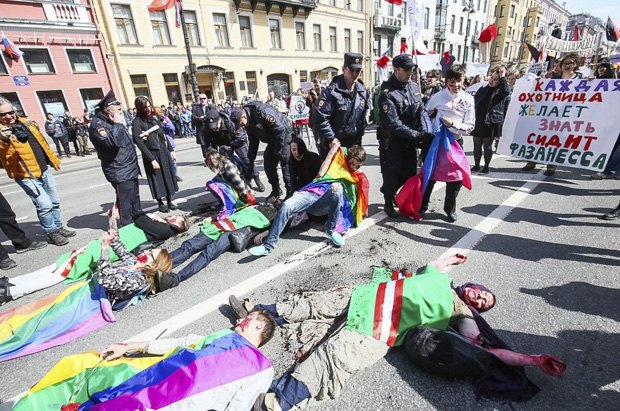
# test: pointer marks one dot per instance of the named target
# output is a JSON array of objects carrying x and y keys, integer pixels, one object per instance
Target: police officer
[
  {"x": 264, "y": 123},
  {"x": 404, "y": 126},
  {"x": 224, "y": 136},
  {"x": 117, "y": 153},
  {"x": 341, "y": 109}
]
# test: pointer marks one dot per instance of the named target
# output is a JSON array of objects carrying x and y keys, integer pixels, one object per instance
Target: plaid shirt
[
  {"x": 230, "y": 174},
  {"x": 119, "y": 280}
]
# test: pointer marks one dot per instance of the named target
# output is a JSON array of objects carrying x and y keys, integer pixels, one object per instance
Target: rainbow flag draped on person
[
  {"x": 54, "y": 320},
  {"x": 228, "y": 197},
  {"x": 445, "y": 158},
  {"x": 221, "y": 371},
  {"x": 355, "y": 191}
]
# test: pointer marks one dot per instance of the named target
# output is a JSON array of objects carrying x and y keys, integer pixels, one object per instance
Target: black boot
[
  {"x": 389, "y": 207},
  {"x": 260, "y": 187}
]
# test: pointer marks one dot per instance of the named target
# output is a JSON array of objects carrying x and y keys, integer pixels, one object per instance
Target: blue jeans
[
  {"x": 329, "y": 203},
  {"x": 209, "y": 251},
  {"x": 42, "y": 192}
]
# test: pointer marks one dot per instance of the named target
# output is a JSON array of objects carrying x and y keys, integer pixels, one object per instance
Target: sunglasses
[
  {"x": 203, "y": 98},
  {"x": 7, "y": 113}
]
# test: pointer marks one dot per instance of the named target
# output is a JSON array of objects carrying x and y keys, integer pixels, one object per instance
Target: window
[
  {"x": 347, "y": 4},
  {"x": 332, "y": 3},
  {"x": 229, "y": 85},
  {"x": 38, "y": 61},
  {"x": 458, "y": 53},
  {"x": 347, "y": 40},
  {"x": 452, "y": 23},
  {"x": 52, "y": 101},
  {"x": 91, "y": 96},
  {"x": 377, "y": 45},
  {"x": 512, "y": 11},
  {"x": 3, "y": 70},
  {"x": 124, "y": 24},
  {"x": 427, "y": 13},
  {"x": 461, "y": 25},
  {"x": 404, "y": 13},
  {"x": 360, "y": 5},
  {"x": 140, "y": 85},
  {"x": 300, "y": 35},
  {"x": 191, "y": 24},
  {"x": 245, "y": 30},
  {"x": 15, "y": 102},
  {"x": 360, "y": 41},
  {"x": 485, "y": 6},
  {"x": 303, "y": 76},
  {"x": 171, "y": 81},
  {"x": 468, "y": 27},
  {"x": 390, "y": 44},
  {"x": 391, "y": 9},
  {"x": 159, "y": 25},
  {"x": 274, "y": 30},
  {"x": 506, "y": 49},
  {"x": 316, "y": 37},
  {"x": 333, "y": 45},
  {"x": 250, "y": 78},
  {"x": 501, "y": 11},
  {"x": 81, "y": 61},
  {"x": 221, "y": 30}
]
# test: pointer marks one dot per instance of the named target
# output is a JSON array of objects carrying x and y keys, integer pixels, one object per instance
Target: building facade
[
  {"x": 241, "y": 48},
  {"x": 64, "y": 65},
  {"x": 458, "y": 24}
]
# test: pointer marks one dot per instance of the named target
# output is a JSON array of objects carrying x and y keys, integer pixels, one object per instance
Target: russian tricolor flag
[{"x": 11, "y": 49}]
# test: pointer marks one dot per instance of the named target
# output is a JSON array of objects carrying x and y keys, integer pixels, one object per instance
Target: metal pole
[{"x": 190, "y": 60}]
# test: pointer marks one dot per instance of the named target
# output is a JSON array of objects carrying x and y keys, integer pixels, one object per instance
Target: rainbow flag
[
  {"x": 54, "y": 320},
  {"x": 445, "y": 157},
  {"x": 76, "y": 377},
  {"x": 229, "y": 198},
  {"x": 355, "y": 191},
  {"x": 78, "y": 265},
  {"x": 227, "y": 372}
]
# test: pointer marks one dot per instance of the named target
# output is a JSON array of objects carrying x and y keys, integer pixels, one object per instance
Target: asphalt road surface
[{"x": 536, "y": 241}]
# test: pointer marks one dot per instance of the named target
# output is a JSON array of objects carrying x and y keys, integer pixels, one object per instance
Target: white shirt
[{"x": 457, "y": 107}]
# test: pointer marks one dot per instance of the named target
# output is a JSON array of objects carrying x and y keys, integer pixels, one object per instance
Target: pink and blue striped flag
[{"x": 445, "y": 161}]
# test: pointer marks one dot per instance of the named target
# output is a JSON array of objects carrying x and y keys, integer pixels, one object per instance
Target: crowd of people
[{"x": 421, "y": 119}]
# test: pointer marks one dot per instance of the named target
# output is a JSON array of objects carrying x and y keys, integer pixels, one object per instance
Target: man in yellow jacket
[{"x": 27, "y": 159}]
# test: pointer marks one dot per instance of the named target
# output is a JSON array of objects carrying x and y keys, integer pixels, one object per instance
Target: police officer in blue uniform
[
  {"x": 264, "y": 123},
  {"x": 223, "y": 135},
  {"x": 404, "y": 127},
  {"x": 116, "y": 150},
  {"x": 340, "y": 111}
]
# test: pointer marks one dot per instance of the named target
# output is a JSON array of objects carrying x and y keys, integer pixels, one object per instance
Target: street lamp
[{"x": 469, "y": 8}]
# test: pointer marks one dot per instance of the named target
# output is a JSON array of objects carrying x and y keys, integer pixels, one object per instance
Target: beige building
[{"x": 240, "y": 48}]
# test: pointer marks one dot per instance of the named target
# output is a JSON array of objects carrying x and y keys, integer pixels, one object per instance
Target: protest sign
[
  {"x": 299, "y": 109},
  {"x": 474, "y": 69},
  {"x": 427, "y": 62},
  {"x": 562, "y": 122},
  {"x": 538, "y": 67}
]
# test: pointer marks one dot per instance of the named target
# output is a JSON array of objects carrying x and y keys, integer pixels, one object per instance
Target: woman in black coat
[
  {"x": 156, "y": 154},
  {"x": 304, "y": 164},
  {"x": 491, "y": 102}
]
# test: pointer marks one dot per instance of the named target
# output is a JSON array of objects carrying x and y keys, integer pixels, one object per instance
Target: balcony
[
  {"x": 440, "y": 34},
  {"x": 390, "y": 23},
  {"x": 66, "y": 12},
  {"x": 296, "y": 5}
]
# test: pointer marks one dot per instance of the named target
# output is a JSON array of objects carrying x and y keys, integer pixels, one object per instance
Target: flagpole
[
  {"x": 188, "y": 50},
  {"x": 415, "y": 50}
]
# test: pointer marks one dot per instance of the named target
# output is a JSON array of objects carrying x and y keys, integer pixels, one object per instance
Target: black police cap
[
  {"x": 353, "y": 60},
  {"x": 107, "y": 101},
  {"x": 403, "y": 61}
]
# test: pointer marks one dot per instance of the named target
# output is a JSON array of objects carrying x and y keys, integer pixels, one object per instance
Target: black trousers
[
  {"x": 10, "y": 228},
  {"x": 399, "y": 161},
  {"x": 452, "y": 191},
  {"x": 272, "y": 159},
  {"x": 242, "y": 153},
  {"x": 127, "y": 200},
  {"x": 62, "y": 143},
  {"x": 481, "y": 143}
]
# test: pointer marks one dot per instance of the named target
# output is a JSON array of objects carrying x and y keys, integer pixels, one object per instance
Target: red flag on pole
[
  {"x": 403, "y": 47},
  {"x": 395, "y": 2},
  {"x": 488, "y": 34},
  {"x": 576, "y": 33},
  {"x": 160, "y": 5}
]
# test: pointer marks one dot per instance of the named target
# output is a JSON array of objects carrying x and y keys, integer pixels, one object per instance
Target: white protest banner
[
  {"x": 538, "y": 67},
  {"x": 428, "y": 62},
  {"x": 563, "y": 122},
  {"x": 299, "y": 109},
  {"x": 585, "y": 46},
  {"x": 474, "y": 69}
]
